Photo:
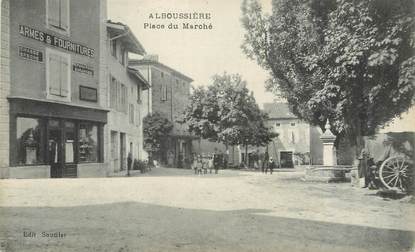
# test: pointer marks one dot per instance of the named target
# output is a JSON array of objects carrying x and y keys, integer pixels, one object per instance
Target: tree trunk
[{"x": 246, "y": 155}]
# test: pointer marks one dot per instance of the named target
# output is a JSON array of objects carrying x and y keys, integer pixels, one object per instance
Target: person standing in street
[
  {"x": 129, "y": 162},
  {"x": 270, "y": 166},
  {"x": 265, "y": 163}
]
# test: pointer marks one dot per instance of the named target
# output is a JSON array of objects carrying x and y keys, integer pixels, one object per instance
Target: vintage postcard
[{"x": 207, "y": 125}]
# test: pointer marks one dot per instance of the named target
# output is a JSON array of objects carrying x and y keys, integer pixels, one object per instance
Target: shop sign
[
  {"x": 82, "y": 68},
  {"x": 30, "y": 54},
  {"x": 55, "y": 41},
  {"x": 88, "y": 94}
]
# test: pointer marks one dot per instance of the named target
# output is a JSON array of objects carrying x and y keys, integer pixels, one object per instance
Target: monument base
[{"x": 328, "y": 174}]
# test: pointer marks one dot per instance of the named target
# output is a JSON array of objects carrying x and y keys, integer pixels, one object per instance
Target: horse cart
[{"x": 394, "y": 168}]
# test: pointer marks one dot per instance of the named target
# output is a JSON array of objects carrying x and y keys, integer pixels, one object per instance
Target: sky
[{"x": 198, "y": 54}]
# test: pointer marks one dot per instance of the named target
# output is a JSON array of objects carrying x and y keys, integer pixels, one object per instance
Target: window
[
  {"x": 163, "y": 92},
  {"x": 57, "y": 15},
  {"x": 29, "y": 141},
  {"x": 123, "y": 56},
  {"x": 113, "y": 93},
  {"x": 131, "y": 113},
  {"x": 124, "y": 105},
  {"x": 138, "y": 117},
  {"x": 138, "y": 94},
  {"x": 292, "y": 124},
  {"x": 58, "y": 75},
  {"x": 278, "y": 124},
  {"x": 88, "y": 142},
  {"x": 162, "y": 74},
  {"x": 113, "y": 45}
]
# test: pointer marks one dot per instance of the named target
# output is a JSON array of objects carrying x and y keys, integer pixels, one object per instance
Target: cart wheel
[{"x": 396, "y": 172}]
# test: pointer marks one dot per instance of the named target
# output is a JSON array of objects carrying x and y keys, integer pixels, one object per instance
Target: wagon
[{"x": 395, "y": 170}]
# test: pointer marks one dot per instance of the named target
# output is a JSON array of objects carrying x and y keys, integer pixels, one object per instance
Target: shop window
[
  {"x": 58, "y": 15},
  {"x": 88, "y": 142},
  {"x": 58, "y": 75},
  {"x": 29, "y": 141}
]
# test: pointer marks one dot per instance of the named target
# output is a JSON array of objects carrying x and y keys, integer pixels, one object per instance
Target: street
[{"x": 175, "y": 210}]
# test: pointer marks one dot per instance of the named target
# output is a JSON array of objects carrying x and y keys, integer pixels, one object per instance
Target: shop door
[
  {"x": 62, "y": 149},
  {"x": 55, "y": 148},
  {"x": 286, "y": 158}
]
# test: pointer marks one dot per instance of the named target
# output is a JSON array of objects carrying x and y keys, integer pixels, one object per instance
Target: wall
[
  {"x": 4, "y": 88},
  {"x": 33, "y": 82}
]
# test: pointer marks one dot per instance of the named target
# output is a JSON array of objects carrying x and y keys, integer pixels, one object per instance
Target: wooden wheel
[{"x": 396, "y": 172}]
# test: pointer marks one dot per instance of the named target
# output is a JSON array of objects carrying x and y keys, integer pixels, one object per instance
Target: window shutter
[
  {"x": 64, "y": 15},
  {"x": 64, "y": 77},
  {"x": 54, "y": 74},
  {"x": 53, "y": 12},
  {"x": 163, "y": 92}
]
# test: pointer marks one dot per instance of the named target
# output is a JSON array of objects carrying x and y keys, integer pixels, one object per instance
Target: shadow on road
[{"x": 134, "y": 226}]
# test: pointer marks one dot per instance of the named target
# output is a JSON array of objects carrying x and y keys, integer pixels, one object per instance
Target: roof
[
  {"x": 142, "y": 62},
  {"x": 278, "y": 111},
  {"x": 135, "y": 73},
  {"x": 122, "y": 32}
]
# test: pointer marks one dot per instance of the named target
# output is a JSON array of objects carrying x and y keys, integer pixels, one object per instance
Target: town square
[{"x": 190, "y": 125}]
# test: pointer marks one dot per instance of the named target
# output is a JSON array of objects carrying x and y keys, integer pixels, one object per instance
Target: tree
[
  {"x": 348, "y": 61},
  {"x": 226, "y": 112},
  {"x": 156, "y": 128}
]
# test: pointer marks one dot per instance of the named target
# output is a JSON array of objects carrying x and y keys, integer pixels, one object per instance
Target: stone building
[
  {"x": 125, "y": 88},
  {"x": 298, "y": 142},
  {"x": 169, "y": 95},
  {"x": 53, "y": 99}
]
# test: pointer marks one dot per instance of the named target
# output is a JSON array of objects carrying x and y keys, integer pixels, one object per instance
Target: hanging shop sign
[
  {"x": 82, "y": 68},
  {"x": 55, "y": 41},
  {"x": 30, "y": 54},
  {"x": 88, "y": 94}
]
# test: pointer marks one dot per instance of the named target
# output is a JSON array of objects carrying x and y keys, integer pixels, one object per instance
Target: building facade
[
  {"x": 53, "y": 99},
  {"x": 169, "y": 95},
  {"x": 297, "y": 143},
  {"x": 125, "y": 98}
]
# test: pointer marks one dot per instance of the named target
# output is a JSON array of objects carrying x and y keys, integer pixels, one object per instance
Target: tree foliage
[
  {"x": 350, "y": 61},
  {"x": 155, "y": 130},
  {"x": 226, "y": 112}
]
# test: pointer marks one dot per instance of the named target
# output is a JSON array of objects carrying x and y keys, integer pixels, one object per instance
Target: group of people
[{"x": 202, "y": 163}]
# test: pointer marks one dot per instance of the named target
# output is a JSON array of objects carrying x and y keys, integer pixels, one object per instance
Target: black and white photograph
[{"x": 207, "y": 125}]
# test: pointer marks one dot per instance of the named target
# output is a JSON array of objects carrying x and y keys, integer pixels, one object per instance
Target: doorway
[
  {"x": 62, "y": 148},
  {"x": 286, "y": 159}
]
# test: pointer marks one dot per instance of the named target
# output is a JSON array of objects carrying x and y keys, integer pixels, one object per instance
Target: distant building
[
  {"x": 298, "y": 142},
  {"x": 169, "y": 95},
  {"x": 125, "y": 90}
]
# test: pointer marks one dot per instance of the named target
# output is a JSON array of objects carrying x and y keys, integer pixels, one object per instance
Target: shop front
[{"x": 61, "y": 139}]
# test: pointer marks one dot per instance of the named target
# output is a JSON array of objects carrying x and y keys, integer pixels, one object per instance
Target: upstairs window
[
  {"x": 113, "y": 45},
  {"x": 58, "y": 15},
  {"x": 131, "y": 113},
  {"x": 123, "y": 56},
  {"x": 58, "y": 75},
  {"x": 163, "y": 92}
]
